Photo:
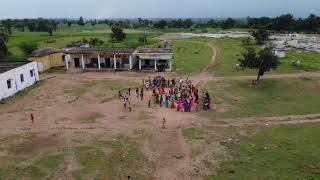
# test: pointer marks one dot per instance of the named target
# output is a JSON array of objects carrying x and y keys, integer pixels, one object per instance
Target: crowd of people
[{"x": 182, "y": 96}]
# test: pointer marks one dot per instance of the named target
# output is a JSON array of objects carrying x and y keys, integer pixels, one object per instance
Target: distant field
[
  {"x": 280, "y": 152},
  {"x": 275, "y": 97},
  {"x": 66, "y": 35},
  {"x": 190, "y": 57},
  {"x": 230, "y": 51}
]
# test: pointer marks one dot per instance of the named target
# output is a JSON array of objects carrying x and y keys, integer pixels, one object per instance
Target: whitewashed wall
[{"x": 14, "y": 76}]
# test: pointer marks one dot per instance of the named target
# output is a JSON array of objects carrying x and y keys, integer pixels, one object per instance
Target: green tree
[
  {"x": 263, "y": 61},
  {"x": 7, "y": 24},
  {"x": 3, "y": 40},
  {"x": 117, "y": 33},
  {"x": 81, "y": 21},
  {"x": 69, "y": 23},
  {"x": 28, "y": 47},
  {"x": 143, "y": 39},
  {"x": 261, "y": 35}
]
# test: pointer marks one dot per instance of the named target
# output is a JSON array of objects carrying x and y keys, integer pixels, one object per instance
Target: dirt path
[{"x": 291, "y": 119}]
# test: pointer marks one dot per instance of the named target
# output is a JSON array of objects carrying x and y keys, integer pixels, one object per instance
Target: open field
[
  {"x": 229, "y": 51},
  {"x": 190, "y": 57},
  {"x": 274, "y": 97},
  {"x": 82, "y": 131},
  {"x": 280, "y": 152}
]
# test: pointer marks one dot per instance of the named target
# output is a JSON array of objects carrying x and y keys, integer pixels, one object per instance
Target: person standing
[
  {"x": 163, "y": 123},
  {"x": 129, "y": 91},
  {"x": 32, "y": 118}
]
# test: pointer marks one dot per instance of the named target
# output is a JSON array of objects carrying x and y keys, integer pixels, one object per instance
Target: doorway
[{"x": 76, "y": 62}]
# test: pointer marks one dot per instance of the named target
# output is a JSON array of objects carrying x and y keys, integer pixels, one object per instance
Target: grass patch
[
  {"x": 194, "y": 133},
  {"x": 281, "y": 152},
  {"x": 310, "y": 61},
  {"x": 41, "y": 168},
  {"x": 125, "y": 159},
  {"x": 92, "y": 118},
  {"x": 274, "y": 97},
  {"x": 105, "y": 90},
  {"x": 29, "y": 89},
  {"x": 190, "y": 57}
]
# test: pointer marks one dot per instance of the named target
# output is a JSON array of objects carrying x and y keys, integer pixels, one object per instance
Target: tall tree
[
  {"x": 7, "y": 24},
  {"x": 3, "y": 40},
  {"x": 263, "y": 61},
  {"x": 69, "y": 23},
  {"x": 117, "y": 33},
  {"x": 261, "y": 35}
]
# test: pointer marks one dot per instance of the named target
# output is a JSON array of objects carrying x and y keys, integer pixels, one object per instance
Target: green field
[
  {"x": 280, "y": 152},
  {"x": 274, "y": 97},
  {"x": 66, "y": 35},
  {"x": 190, "y": 57},
  {"x": 230, "y": 51}
]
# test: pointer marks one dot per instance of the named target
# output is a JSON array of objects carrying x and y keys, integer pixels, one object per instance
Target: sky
[{"x": 155, "y": 8}]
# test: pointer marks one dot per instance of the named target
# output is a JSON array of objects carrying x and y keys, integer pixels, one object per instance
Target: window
[
  {"x": 21, "y": 78},
  {"x": 125, "y": 61},
  {"x": 9, "y": 83},
  {"x": 32, "y": 72}
]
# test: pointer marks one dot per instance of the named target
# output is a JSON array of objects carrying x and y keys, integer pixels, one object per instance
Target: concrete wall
[
  {"x": 14, "y": 76},
  {"x": 49, "y": 61}
]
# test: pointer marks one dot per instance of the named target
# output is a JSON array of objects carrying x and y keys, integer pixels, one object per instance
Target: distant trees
[
  {"x": 263, "y": 61},
  {"x": 69, "y": 23},
  {"x": 28, "y": 47},
  {"x": 7, "y": 25},
  {"x": 3, "y": 40},
  {"x": 228, "y": 23},
  {"x": 261, "y": 35},
  {"x": 81, "y": 21},
  {"x": 117, "y": 33}
]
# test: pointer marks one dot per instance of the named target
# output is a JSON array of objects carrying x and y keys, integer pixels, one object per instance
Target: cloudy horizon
[{"x": 101, "y": 9}]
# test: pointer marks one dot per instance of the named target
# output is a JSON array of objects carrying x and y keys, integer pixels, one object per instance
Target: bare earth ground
[{"x": 58, "y": 122}]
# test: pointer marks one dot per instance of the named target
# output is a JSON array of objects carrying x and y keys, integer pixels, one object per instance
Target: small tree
[
  {"x": 264, "y": 61},
  {"x": 143, "y": 39},
  {"x": 28, "y": 47},
  {"x": 261, "y": 35},
  {"x": 69, "y": 23},
  {"x": 117, "y": 33},
  {"x": 81, "y": 21}
]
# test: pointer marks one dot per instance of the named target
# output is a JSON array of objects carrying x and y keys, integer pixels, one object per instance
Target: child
[
  {"x": 32, "y": 118},
  {"x": 129, "y": 106},
  {"x": 149, "y": 103},
  {"x": 129, "y": 91},
  {"x": 163, "y": 123},
  {"x": 137, "y": 92},
  {"x": 120, "y": 95}
]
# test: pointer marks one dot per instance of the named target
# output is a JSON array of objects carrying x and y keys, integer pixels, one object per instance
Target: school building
[
  {"x": 47, "y": 58},
  {"x": 16, "y": 76},
  {"x": 119, "y": 59}
]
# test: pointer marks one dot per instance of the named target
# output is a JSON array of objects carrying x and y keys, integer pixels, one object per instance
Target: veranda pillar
[
  {"x": 155, "y": 65},
  {"x": 99, "y": 66},
  {"x": 139, "y": 64},
  {"x": 82, "y": 61},
  {"x": 170, "y": 65},
  {"x": 115, "y": 62},
  {"x": 130, "y": 62},
  {"x": 66, "y": 60}
]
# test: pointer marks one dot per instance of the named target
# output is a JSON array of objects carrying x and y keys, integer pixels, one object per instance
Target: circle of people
[{"x": 182, "y": 96}]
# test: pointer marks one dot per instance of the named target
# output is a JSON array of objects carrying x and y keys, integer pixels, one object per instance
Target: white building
[
  {"x": 16, "y": 76},
  {"x": 279, "y": 52},
  {"x": 159, "y": 59}
]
